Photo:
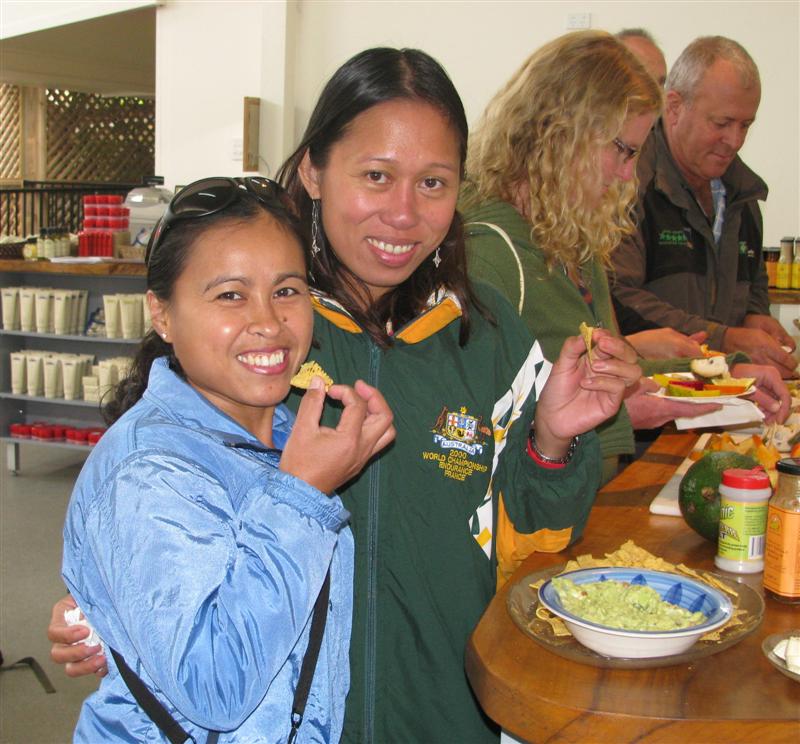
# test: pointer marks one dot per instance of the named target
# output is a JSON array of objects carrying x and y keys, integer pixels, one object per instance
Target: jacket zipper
[{"x": 372, "y": 573}]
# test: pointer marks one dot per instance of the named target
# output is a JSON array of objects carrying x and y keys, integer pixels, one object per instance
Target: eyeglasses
[
  {"x": 211, "y": 196},
  {"x": 628, "y": 153}
]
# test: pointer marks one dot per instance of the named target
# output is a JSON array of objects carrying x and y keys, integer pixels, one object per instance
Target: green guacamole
[{"x": 617, "y": 604}]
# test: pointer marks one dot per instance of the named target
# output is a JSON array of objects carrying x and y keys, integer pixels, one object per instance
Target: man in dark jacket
[{"x": 695, "y": 264}]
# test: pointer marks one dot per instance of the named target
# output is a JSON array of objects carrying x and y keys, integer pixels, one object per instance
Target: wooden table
[{"x": 733, "y": 696}]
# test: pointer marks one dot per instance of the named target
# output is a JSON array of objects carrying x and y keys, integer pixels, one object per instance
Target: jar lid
[
  {"x": 789, "y": 465},
  {"x": 749, "y": 479}
]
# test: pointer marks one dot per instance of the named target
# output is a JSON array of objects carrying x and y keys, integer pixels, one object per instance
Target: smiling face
[
  {"x": 388, "y": 191},
  {"x": 613, "y": 164},
  {"x": 705, "y": 134},
  {"x": 240, "y": 318}
]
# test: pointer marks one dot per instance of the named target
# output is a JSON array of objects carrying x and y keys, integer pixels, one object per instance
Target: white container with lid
[
  {"x": 743, "y": 498},
  {"x": 146, "y": 204}
]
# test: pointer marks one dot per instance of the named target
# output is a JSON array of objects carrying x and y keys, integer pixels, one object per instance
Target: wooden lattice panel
[
  {"x": 10, "y": 159},
  {"x": 98, "y": 138}
]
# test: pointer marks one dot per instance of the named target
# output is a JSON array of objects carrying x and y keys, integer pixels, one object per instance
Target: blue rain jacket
[{"x": 199, "y": 562}]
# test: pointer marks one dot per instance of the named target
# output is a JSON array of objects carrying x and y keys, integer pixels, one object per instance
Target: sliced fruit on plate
[
  {"x": 691, "y": 384},
  {"x": 713, "y": 366},
  {"x": 681, "y": 391},
  {"x": 727, "y": 389},
  {"x": 745, "y": 382}
]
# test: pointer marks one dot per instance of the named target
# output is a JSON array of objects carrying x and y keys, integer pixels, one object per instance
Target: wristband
[{"x": 543, "y": 459}]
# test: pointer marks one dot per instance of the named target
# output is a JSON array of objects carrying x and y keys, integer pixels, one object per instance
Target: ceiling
[{"x": 112, "y": 55}]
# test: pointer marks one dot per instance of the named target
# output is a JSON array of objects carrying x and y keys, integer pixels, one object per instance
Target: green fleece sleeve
[{"x": 656, "y": 366}]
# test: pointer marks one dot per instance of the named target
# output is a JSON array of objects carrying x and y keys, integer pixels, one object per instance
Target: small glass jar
[
  {"x": 782, "y": 553},
  {"x": 771, "y": 255},
  {"x": 795, "y": 263},
  {"x": 785, "y": 262}
]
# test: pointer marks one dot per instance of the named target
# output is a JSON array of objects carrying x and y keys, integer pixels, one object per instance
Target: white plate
[{"x": 662, "y": 392}]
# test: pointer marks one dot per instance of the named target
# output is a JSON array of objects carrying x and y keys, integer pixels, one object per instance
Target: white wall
[
  {"x": 25, "y": 16},
  {"x": 209, "y": 56},
  {"x": 481, "y": 43},
  {"x": 212, "y": 53}
]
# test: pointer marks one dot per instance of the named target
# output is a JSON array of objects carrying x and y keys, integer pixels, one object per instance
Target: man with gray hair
[
  {"x": 643, "y": 45},
  {"x": 695, "y": 263}
]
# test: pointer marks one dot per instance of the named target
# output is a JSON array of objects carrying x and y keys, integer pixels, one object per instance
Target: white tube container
[
  {"x": 19, "y": 364},
  {"x": 111, "y": 310},
  {"x": 27, "y": 308},
  {"x": 10, "y": 297}
]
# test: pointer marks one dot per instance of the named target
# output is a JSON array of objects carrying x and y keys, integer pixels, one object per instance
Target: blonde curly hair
[{"x": 546, "y": 128}]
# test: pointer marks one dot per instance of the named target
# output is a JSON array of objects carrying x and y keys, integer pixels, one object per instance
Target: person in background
[
  {"x": 550, "y": 184},
  {"x": 203, "y": 527},
  {"x": 494, "y": 456},
  {"x": 695, "y": 263},
  {"x": 644, "y": 47}
]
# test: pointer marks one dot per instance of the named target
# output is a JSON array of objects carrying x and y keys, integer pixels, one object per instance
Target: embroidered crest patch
[{"x": 462, "y": 436}]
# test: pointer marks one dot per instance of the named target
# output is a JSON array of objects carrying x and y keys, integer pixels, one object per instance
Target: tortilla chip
[
  {"x": 586, "y": 333},
  {"x": 556, "y": 624},
  {"x": 307, "y": 372}
]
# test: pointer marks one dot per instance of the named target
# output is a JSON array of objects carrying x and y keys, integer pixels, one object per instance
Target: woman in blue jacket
[{"x": 199, "y": 533}]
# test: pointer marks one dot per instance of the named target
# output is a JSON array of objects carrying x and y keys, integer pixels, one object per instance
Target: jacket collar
[
  {"x": 442, "y": 308},
  {"x": 179, "y": 401},
  {"x": 741, "y": 183}
]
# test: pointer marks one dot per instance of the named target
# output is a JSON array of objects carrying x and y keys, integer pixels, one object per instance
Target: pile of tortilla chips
[{"x": 631, "y": 555}]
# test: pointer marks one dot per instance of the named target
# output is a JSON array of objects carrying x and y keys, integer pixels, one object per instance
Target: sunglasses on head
[{"x": 211, "y": 196}]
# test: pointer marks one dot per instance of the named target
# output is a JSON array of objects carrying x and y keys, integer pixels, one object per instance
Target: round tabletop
[{"x": 733, "y": 696}]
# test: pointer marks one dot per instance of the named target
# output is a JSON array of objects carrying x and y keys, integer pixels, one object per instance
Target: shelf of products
[{"x": 98, "y": 279}]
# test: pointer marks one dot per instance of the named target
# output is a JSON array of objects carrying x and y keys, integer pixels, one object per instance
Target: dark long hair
[
  {"x": 371, "y": 77},
  {"x": 165, "y": 267}
]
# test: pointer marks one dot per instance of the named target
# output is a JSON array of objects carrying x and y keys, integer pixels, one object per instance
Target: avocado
[{"x": 698, "y": 494}]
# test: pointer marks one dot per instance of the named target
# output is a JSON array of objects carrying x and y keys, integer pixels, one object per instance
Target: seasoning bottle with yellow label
[
  {"x": 743, "y": 497},
  {"x": 795, "y": 263},
  {"x": 782, "y": 553},
  {"x": 771, "y": 255},
  {"x": 784, "y": 273}
]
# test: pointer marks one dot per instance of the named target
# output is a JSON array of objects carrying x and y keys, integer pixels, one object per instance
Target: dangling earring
[
  {"x": 437, "y": 259},
  {"x": 316, "y": 238}
]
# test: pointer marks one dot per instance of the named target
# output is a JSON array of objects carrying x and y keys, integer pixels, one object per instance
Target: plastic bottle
[
  {"x": 40, "y": 242},
  {"x": 785, "y": 262},
  {"x": 744, "y": 495},
  {"x": 771, "y": 255},
  {"x": 49, "y": 243},
  {"x": 782, "y": 554},
  {"x": 795, "y": 261}
]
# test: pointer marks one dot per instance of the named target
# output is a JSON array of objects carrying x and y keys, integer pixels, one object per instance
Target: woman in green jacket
[
  {"x": 485, "y": 465},
  {"x": 551, "y": 184}
]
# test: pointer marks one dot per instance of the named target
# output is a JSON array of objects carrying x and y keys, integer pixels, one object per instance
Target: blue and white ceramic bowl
[{"x": 636, "y": 644}]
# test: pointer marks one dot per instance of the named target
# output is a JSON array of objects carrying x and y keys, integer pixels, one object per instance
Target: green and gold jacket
[{"x": 451, "y": 506}]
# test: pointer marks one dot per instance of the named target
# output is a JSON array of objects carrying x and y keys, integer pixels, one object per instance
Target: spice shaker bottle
[{"x": 744, "y": 495}]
